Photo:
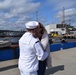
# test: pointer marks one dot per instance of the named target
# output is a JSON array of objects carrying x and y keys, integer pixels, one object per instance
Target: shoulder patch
[{"x": 36, "y": 41}]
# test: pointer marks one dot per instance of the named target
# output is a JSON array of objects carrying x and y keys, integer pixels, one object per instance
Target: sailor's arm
[{"x": 40, "y": 52}]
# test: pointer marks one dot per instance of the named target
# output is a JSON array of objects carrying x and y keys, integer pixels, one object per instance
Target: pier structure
[{"x": 63, "y": 63}]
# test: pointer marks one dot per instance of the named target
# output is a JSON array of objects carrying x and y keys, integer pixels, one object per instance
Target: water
[{"x": 13, "y": 40}]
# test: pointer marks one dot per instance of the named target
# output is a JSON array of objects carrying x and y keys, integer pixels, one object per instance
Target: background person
[
  {"x": 43, "y": 36},
  {"x": 30, "y": 50}
]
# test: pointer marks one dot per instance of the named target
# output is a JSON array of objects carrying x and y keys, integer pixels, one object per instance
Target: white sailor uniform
[{"x": 30, "y": 52}]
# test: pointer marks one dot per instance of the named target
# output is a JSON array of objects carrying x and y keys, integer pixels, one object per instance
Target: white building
[
  {"x": 50, "y": 26},
  {"x": 53, "y": 28}
]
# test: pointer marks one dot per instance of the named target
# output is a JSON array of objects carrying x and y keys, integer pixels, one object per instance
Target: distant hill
[{"x": 9, "y": 33}]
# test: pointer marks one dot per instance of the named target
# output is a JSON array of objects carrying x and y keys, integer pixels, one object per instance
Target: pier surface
[{"x": 63, "y": 63}]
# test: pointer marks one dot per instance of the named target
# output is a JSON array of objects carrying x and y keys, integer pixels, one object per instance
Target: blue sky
[{"x": 15, "y": 13}]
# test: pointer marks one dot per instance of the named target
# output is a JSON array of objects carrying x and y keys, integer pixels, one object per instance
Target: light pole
[{"x": 36, "y": 15}]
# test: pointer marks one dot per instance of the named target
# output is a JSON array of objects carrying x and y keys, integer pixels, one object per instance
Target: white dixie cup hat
[{"x": 31, "y": 24}]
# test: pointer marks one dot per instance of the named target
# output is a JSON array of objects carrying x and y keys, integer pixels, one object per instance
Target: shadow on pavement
[
  {"x": 54, "y": 69},
  {"x": 8, "y": 67}
]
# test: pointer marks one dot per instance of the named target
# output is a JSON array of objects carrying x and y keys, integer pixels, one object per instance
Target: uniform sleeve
[{"x": 41, "y": 55}]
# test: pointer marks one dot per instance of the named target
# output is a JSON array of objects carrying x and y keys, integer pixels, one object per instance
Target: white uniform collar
[{"x": 26, "y": 38}]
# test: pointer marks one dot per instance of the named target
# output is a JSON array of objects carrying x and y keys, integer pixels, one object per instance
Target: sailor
[{"x": 30, "y": 50}]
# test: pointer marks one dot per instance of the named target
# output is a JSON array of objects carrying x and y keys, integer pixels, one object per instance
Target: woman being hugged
[{"x": 43, "y": 37}]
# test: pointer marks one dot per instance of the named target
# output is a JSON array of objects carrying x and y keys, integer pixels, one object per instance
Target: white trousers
[{"x": 28, "y": 73}]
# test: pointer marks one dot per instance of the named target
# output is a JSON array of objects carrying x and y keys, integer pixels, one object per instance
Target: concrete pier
[{"x": 63, "y": 63}]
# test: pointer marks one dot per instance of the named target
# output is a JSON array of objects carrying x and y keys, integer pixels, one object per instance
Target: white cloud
[
  {"x": 19, "y": 9},
  {"x": 5, "y": 4},
  {"x": 14, "y": 13},
  {"x": 70, "y": 9},
  {"x": 59, "y": 4},
  {"x": 67, "y": 12}
]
